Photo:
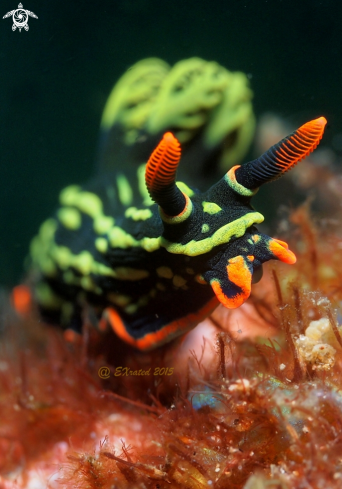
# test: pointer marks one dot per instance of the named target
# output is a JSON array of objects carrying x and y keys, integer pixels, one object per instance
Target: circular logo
[
  {"x": 104, "y": 372},
  {"x": 20, "y": 18}
]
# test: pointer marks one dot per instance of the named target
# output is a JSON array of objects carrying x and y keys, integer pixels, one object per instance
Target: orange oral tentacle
[
  {"x": 238, "y": 274},
  {"x": 280, "y": 250}
]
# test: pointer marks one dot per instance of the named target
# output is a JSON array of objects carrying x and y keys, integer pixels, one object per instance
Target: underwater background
[
  {"x": 55, "y": 79},
  {"x": 252, "y": 396}
]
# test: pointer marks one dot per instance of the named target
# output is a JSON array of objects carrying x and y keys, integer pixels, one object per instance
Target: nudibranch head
[{"x": 216, "y": 229}]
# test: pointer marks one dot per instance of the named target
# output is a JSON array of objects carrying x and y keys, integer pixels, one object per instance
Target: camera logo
[{"x": 20, "y": 18}]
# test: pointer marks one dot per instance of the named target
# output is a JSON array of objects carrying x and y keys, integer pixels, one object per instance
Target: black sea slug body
[{"x": 154, "y": 270}]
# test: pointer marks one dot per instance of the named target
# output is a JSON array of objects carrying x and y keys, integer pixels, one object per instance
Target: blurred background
[{"x": 56, "y": 77}]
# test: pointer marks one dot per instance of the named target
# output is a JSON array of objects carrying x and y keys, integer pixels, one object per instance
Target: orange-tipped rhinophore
[
  {"x": 160, "y": 176},
  {"x": 282, "y": 156}
]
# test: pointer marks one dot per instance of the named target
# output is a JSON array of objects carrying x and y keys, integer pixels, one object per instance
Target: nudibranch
[
  {"x": 152, "y": 272},
  {"x": 207, "y": 107}
]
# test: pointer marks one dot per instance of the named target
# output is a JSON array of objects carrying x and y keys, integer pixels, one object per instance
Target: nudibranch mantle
[{"x": 153, "y": 271}]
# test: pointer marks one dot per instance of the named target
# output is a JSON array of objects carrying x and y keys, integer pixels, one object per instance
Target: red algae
[{"x": 250, "y": 399}]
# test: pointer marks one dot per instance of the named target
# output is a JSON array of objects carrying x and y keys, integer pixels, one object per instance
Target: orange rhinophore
[
  {"x": 300, "y": 144},
  {"x": 163, "y": 162},
  {"x": 282, "y": 156},
  {"x": 160, "y": 176}
]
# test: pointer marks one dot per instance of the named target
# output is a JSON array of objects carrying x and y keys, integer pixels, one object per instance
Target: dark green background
[{"x": 55, "y": 78}]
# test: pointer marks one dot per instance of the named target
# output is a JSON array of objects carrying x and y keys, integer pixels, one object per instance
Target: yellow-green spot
[
  {"x": 160, "y": 286},
  {"x": 119, "y": 299},
  {"x": 138, "y": 214},
  {"x": 118, "y": 238},
  {"x": 149, "y": 244},
  {"x": 68, "y": 196},
  {"x": 205, "y": 228},
  {"x": 178, "y": 281},
  {"x": 124, "y": 189},
  {"x": 223, "y": 235},
  {"x": 89, "y": 203},
  {"x": 131, "y": 308},
  {"x": 127, "y": 273},
  {"x": 87, "y": 283},
  {"x": 142, "y": 185},
  {"x": 102, "y": 224},
  {"x": 70, "y": 218},
  {"x": 164, "y": 272},
  {"x": 185, "y": 189},
  {"x": 190, "y": 271},
  {"x": 46, "y": 297},
  {"x": 100, "y": 269},
  {"x": 211, "y": 208},
  {"x": 40, "y": 247},
  {"x": 47, "y": 266},
  {"x": 62, "y": 256},
  {"x": 101, "y": 244},
  {"x": 70, "y": 278},
  {"x": 85, "y": 264},
  {"x": 47, "y": 230},
  {"x": 35, "y": 248}
]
